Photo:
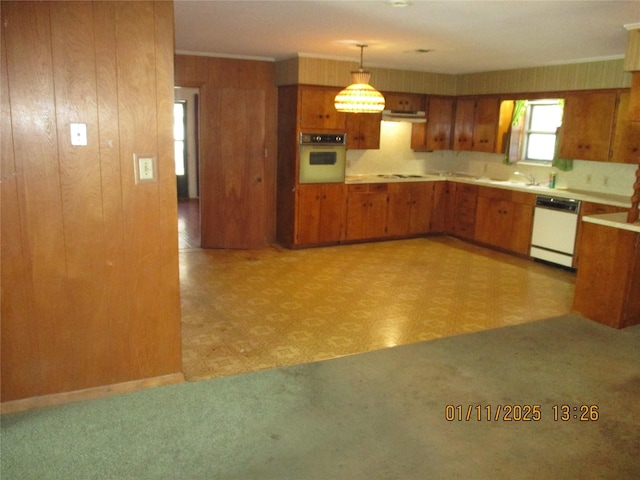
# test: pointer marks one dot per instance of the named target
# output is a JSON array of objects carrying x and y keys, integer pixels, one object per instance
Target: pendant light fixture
[{"x": 359, "y": 97}]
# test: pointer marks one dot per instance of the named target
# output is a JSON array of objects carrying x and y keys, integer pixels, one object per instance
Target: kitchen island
[{"x": 608, "y": 280}]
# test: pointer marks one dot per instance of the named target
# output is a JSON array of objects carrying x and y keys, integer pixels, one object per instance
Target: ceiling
[{"x": 461, "y": 36}]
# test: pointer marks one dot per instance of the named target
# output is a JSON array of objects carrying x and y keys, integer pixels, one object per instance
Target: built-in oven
[
  {"x": 555, "y": 225},
  {"x": 322, "y": 157}
]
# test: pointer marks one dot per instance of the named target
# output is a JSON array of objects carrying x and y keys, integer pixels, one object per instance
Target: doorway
[{"x": 187, "y": 165}]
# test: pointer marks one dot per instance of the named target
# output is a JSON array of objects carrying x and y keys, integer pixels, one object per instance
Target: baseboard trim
[{"x": 32, "y": 403}]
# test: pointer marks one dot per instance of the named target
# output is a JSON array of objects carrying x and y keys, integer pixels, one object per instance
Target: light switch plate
[
  {"x": 78, "y": 134},
  {"x": 145, "y": 167}
]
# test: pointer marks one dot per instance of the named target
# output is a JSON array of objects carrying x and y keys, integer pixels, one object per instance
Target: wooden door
[{"x": 232, "y": 169}]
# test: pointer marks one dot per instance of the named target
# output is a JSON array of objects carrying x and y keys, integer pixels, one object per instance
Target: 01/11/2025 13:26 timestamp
[{"x": 520, "y": 413}]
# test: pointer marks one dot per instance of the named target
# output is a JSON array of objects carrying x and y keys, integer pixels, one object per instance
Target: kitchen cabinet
[
  {"x": 403, "y": 102},
  {"x": 504, "y": 219},
  {"x": 587, "y": 125},
  {"x": 320, "y": 213},
  {"x": 608, "y": 278},
  {"x": 317, "y": 110},
  {"x": 436, "y": 133},
  {"x": 367, "y": 206},
  {"x": 476, "y": 124},
  {"x": 443, "y": 213},
  {"x": 626, "y": 141},
  {"x": 410, "y": 206},
  {"x": 363, "y": 131},
  {"x": 587, "y": 209},
  {"x": 464, "y": 212}
]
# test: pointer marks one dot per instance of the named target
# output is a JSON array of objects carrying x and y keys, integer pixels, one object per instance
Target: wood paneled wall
[
  {"x": 90, "y": 285},
  {"x": 238, "y": 141},
  {"x": 575, "y": 76}
]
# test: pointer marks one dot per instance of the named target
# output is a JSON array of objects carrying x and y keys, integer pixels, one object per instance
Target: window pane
[
  {"x": 545, "y": 118},
  {"x": 179, "y": 156},
  {"x": 541, "y": 146}
]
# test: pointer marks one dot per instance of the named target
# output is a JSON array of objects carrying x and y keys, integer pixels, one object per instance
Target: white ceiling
[{"x": 463, "y": 36}]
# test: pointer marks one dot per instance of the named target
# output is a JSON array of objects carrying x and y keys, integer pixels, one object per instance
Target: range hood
[{"x": 402, "y": 116}]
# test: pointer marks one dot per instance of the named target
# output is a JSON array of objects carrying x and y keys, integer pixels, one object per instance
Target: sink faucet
[{"x": 530, "y": 178}]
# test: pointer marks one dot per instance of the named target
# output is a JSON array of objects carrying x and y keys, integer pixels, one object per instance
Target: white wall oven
[{"x": 322, "y": 157}]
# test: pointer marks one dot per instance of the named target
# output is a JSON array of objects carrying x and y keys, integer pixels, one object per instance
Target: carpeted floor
[{"x": 376, "y": 415}]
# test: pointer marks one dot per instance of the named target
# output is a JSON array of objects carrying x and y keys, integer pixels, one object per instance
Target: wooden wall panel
[{"x": 90, "y": 287}]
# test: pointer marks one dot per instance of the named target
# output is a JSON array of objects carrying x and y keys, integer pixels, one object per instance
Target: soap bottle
[{"x": 552, "y": 180}]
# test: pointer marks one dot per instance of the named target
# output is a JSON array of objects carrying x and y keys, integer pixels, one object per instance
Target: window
[{"x": 534, "y": 130}]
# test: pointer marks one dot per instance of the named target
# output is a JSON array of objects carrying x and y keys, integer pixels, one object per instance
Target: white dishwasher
[{"x": 555, "y": 223}]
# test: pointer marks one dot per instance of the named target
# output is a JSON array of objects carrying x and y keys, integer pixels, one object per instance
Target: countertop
[
  {"x": 614, "y": 220},
  {"x": 595, "y": 197}
]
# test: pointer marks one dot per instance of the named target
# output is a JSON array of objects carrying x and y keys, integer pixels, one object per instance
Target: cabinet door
[
  {"x": 321, "y": 211},
  {"x": 399, "y": 209},
  {"x": 488, "y": 220},
  {"x": 519, "y": 239},
  {"x": 626, "y": 141},
  {"x": 332, "y": 213},
  {"x": 309, "y": 204},
  {"x": 439, "y": 123},
  {"x": 465, "y": 211},
  {"x": 443, "y": 215},
  {"x": 367, "y": 207},
  {"x": 403, "y": 102},
  {"x": 317, "y": 110},
  {"x": 363, "y": 131},
  {"x": 436, "y": 133},
  {"x": 587, "y": 125},
  {"x": 485, "y": 124},
  {"x": 463, "y": 127},
  {"x": 421, "y": 207}
]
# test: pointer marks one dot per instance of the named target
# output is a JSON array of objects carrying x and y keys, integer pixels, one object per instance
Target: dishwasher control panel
[{"x": 566, "y": 204}]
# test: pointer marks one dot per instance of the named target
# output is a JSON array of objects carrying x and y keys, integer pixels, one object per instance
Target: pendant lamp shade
[{"x": 359, "y": 97}]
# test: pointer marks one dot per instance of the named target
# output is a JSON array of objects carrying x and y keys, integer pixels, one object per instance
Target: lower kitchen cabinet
[
  {"x": 608, "y": 279},
  {"x": 586, "y": 209},
  {"x": 367, "y": 207},
  {"x": 504, "y": 219},
  {"x": 464, "y": 211},
  {"x": 320, "y": 213},
  {"x": 410, "y": 207}
]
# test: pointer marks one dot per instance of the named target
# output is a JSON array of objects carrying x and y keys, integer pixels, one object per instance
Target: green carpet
[{"x": 378, "y": 415}]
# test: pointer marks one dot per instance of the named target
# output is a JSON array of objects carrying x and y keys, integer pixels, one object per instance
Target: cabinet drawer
[
  {"x": 359, "y": 188},
  {"x": 368, "y": 188},
  {"x": 467, "y": 189}
]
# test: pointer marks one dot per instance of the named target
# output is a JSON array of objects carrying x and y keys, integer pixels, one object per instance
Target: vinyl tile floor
[{"x": 249, "y": 310}]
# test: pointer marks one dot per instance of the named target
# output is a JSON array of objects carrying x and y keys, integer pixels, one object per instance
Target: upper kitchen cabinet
[
  {"x": 587, "y": 125},
  {"x": 403, "y": 102},
  {"x": 436, "y": 133},
  {"x": 626, "y": 140},
  {"x": 363, "y": 131},
  {"x": 317, "y": 110},
  {"x": 476, "y": 124}
]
